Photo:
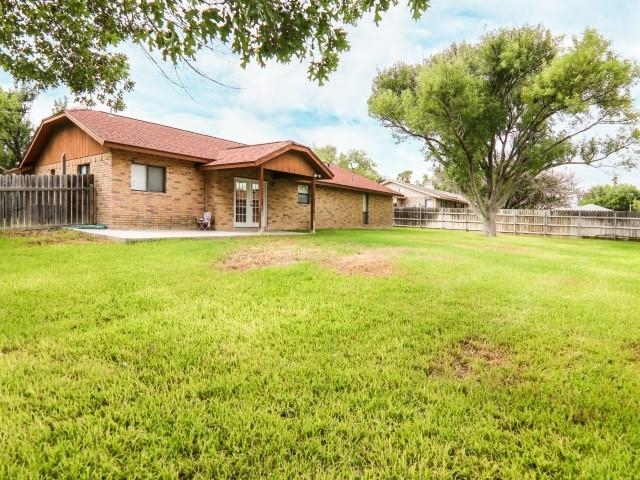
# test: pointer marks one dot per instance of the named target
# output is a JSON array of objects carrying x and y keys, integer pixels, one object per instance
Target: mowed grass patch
[{"x": 512, "y": 357}]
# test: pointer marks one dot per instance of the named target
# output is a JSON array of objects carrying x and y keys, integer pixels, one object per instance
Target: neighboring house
[
  {"x": 418, "y": 196},
  {"x": 154, "y": 176}
]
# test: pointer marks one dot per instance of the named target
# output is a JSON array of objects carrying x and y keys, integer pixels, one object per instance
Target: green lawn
[{"x": 395, "y": 354}]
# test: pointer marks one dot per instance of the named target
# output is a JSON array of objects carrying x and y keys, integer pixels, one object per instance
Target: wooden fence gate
[{"x": 46, "y": 200}]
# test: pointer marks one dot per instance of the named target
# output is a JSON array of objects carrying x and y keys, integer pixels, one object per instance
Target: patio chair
[{"x": 205, "y": 222}]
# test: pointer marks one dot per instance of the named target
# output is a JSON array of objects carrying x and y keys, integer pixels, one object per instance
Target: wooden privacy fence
[
  {"x": 46, "y": 200},
  {"x": 570, "y": 223}
]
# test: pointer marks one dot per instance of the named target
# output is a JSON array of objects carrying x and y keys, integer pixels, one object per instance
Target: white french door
[{"x": 246, "y": 207}]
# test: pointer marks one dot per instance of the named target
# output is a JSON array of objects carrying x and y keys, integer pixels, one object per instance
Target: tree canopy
[
  {"x": 355, "y": 160},
  {"x": 621, "y": 197},
  {"x": 517, "y": 103},
  {"x": 405, "y": 176},
  {"x": 15, "y": 127},
  {"x": 74, "y": 43}
]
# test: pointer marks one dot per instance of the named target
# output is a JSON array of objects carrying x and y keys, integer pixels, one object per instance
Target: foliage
[
  {"x": 148, "y": 361},
  {"x": 620, "y": 197},
  {"x": 438, "y": 180},
  {"x": 15, "y": 127},
  {"x": 405, "y": 176},
  {"x": 60, "y": 105},
  {"x": 72, "y": 43},
  {"x": 547, "y": 190},
  {"x": 510, "y": 107},
  {"x": 355, "y": 160}
]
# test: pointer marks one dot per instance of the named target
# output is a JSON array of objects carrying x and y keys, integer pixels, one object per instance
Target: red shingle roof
[
  {"x": 348, "y": 179},
  {"x": 119, "y": 130},
  {"x": 249, "y": 153}
]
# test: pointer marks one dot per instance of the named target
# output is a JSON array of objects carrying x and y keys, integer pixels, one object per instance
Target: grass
[{"x": 514, "y": 357}]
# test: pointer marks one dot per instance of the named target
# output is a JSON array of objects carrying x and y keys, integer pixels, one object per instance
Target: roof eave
[
  {"x": 358, "y": 189},
  {"x": 36, "y": 138}
]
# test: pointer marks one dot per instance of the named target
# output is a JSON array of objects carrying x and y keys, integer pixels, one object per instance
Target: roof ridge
[
  {"x": 240, "y": 144},
  {"x": 260, "y": 144}
]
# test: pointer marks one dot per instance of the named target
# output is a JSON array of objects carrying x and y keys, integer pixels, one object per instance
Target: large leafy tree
[
  {"x": 74, "y": 42},
  {"x": 621, "y": 197},
  {"x": 497, "y": 113},
  {"x": 355, "y": 160},
  {"x": 15, "y": 127}
]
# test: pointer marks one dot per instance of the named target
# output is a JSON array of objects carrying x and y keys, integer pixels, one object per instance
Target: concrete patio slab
[{"x": 147, "y": 235}]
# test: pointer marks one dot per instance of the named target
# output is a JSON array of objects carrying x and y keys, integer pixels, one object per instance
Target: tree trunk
[{"x": 489, "y": 220}]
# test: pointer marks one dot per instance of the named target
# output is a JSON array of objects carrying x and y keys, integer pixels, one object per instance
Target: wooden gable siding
[
  {"x": 291, "y": 162},
  {"x": 72, "y": 141}
]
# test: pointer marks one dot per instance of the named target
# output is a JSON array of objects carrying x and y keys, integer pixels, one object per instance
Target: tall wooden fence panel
[
  {"x": 28, "y": 201},
  {"x": 570, "y": 223}
]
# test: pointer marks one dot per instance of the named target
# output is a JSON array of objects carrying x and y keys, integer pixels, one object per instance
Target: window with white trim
[{"x": 147, "y": 178}]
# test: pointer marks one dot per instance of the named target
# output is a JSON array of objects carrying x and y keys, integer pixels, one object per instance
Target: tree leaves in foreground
[
  {"x": 497, "y": 113},
  {"x": 15, "y": 127},
  {"x": 74, "y": 43},
  {"x": 620, "y": 197},
  {"x": 355, "y": 160}
]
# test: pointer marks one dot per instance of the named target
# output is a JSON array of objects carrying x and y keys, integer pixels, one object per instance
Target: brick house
[{"x": 148, "y": 175}]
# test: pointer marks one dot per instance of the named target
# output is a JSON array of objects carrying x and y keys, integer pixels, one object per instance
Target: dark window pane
[
  {"x": 303, "y": 194},
  {"x": 155, "y": 179}
]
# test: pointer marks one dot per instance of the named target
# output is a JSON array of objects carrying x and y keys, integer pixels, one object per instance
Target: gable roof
[
  {"x": 432, "y": 192},
  {"x": 253, "y": 155},
  {"x": 116, "y": 131},
  {"x": 344, "y": 178}
]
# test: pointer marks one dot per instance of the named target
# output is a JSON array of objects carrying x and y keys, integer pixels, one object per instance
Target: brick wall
[
  {"x": 178, "y": 207},
  {"x": 189, "y": 192},
  {"x": 335, "y": 207},
  {"x": 100, "y": 167},
  {"x": 283, "y": 210},
  {"x": 342, "y": 208},
  {"x": 285, "y": 213}
]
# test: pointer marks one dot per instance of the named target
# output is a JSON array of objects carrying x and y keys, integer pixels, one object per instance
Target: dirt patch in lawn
[
  {"x": 375, "y": 262},
  {"x": 51, "y": 236},
  {"x": 267, "y": 256},
  {"x": 468, "y": 358},
  {"x": 634, "y": 350}
]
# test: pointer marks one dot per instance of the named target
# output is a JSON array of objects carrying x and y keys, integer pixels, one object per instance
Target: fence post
[
  {"x": 515, "y": 221},
  {"x": 579, "y": 223},
  {"x": 544, "y": 223},
  {"x": 615, "y": 225},
  {"x": 442, "y": 218}
]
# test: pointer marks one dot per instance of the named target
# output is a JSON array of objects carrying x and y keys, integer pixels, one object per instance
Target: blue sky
[{"x": 278, "y": 102}]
